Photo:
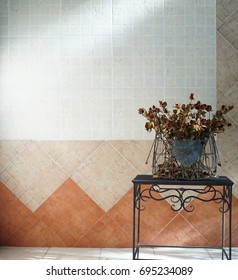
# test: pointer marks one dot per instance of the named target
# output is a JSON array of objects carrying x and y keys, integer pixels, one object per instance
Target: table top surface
[{"x": 150, "y": 179}]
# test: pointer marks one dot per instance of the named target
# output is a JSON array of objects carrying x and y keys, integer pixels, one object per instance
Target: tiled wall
[
  {"x": 79, "y": 193},
  {"x": 227, "y": 83},
  {"x": 80, "y": 69}
]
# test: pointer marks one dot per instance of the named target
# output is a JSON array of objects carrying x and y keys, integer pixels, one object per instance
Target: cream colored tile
[
  {"x": 230, "y": 98},
  {"x": 7, "y": 148},
  {"x": 230, "y": 170},
  {"x": 229, "y": 29},
  {"x": 33, "y": 205},
  {"x": 33, "y": 175},
  {"x": 69, "y": 154},
  {"x": 227, "y": 145},
  {"x": 19, "y": 145},
  {"x": 136, "y": 152},
  {"x": 4, "y": 162},
  {"x": 106, "y": 174},
  {"x": 225, "y": 8}
]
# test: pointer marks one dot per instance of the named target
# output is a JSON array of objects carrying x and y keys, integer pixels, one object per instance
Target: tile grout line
[
  {"x": 109, "y": 141},
  {"x": 229, "y": 43},
  {"x": 227, "y": 18},
  {"x": 47, "y": 250},
  {"x": 166, "y": 226},
  {"x": 194, "y": 228}
]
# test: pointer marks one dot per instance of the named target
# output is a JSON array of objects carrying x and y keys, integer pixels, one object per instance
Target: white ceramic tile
[
  {"x": 21, "y": 253},
  {"x": 25, "y": 253},
  {"x": 109, "y": 45},
  {"x": 116, "y": 254},
  {"x": 216, "y": 254},
  {"x": 181, "y": 254},
  {"x": 72, "y": 254}
]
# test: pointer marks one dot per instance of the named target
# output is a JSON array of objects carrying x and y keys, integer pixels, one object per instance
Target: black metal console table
[{"x": 180, "y": 193}]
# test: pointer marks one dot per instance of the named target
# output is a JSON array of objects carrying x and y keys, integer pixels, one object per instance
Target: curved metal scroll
[{"x": 181, "y": 197}]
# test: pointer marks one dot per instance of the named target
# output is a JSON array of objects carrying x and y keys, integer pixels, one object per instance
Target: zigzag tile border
[{"x": 70, "y": 218}]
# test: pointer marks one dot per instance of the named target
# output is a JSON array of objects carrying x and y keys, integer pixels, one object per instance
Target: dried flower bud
[
  {"x": 192, "y": 96},
  {"x": 141, "y": 111},
  {"x": 209, "y": 108},
  {"x": 148, "y": 126}
]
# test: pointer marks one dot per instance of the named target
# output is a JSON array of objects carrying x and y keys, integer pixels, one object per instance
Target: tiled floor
[{"x": 28, "y": 253}]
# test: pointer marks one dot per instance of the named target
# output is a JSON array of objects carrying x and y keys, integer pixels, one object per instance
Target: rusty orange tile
[
  {"x": 206, "y": 219},
  {"x": 106, "y": 233},
  {"x": 71, "y": 218},
  {"x": 179, "y": 232},
  {"x": 66, "y": 237},
  {"x": 39, "y": 236},
  {"x": 121, "y": 213}
]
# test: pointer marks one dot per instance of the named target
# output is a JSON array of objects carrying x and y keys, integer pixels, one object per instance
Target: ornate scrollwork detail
[{"x": 180, "y": 198}]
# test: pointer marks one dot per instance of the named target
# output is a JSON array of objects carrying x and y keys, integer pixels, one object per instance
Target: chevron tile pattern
[
  {"x": 33, "y": 170},
  {"x": 70, "y": 218}
]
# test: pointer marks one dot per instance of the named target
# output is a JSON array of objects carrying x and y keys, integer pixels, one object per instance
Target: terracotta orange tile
[
  {"x": 206, "y": 219},
  {"x": 84, "y": 242},
  {"x": 66, "y": 237},
  {"x": 53, "y": 223},
  {"x": 234, "y": 223},
  {"x": 39, "y": 236},
  {"x": 234, "y": 237},
  {"x": 71, "y": 212},
  {"x": 25, "y": 227},
  {"x": 121, "y": 212},
  {"x": 14, "y": 214},
  {"x": 70, "y": 208},
  {"x": 70, "y": 192},
  {"x": 179, "y": 232},
  {"x": 154, "y": 218},
  {"x": 6, "y": 196},
  {"x": 106, "y": 233}
]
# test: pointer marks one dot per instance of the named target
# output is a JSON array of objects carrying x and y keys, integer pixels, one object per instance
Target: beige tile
[
  {"x": 229, "y": 29},
  {"x": 105, "y": 175},
  {"x": 230, "y": 97},
  {"x": 11, "y": 148},
  {"x": 230, "y": 170},
  {"x": 136, "y": 152},
  {"x": 69, "y": 154},
  {"x": 225, "y": 8},
  {"x": 227, "y": 143},
  {"x": 227, "y": 72},
  {"x": 4, "y": 162},
  {"x": 32, "y": 175}
]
